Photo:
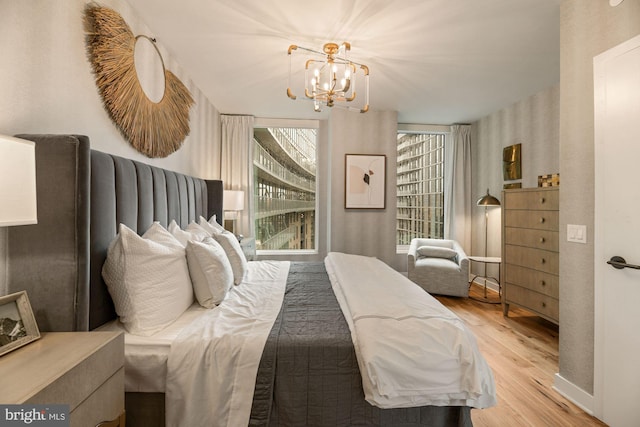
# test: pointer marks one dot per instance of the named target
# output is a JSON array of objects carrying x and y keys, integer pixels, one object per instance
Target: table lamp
[
  {"x": 18, "y": 205},
  {"x": 232, "y": 203}
]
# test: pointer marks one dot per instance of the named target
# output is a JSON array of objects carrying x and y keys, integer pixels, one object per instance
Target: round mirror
[{"x": 149, "y": 68}]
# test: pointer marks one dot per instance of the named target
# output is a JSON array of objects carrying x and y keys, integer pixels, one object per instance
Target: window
[
  {"x": 284, "y": 163},
  {"x": 420, "y": 186}
]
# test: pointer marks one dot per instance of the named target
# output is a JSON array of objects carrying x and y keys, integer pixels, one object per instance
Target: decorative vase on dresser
[{"x": 530, "y": 225}]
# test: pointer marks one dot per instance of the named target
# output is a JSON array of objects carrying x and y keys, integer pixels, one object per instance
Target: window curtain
[
  {"x": 236, "y": 165},
  {"x": 457, "y": 186}
]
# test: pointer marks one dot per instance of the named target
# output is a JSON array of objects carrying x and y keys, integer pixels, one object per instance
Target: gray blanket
[{"x": 309, "y": 375}]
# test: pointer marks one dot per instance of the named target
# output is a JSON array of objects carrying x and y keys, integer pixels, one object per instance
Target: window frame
[
  {"x": 300, "y": 124},
  {"x": 404, "y": 128}
]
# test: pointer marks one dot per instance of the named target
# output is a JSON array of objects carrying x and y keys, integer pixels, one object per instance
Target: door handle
[{"x": 620, "y": 263}]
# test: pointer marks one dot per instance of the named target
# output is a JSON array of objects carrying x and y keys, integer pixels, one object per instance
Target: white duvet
[
  {"x": 213, "y": 362},
  {"x": 411, "y": 350}
]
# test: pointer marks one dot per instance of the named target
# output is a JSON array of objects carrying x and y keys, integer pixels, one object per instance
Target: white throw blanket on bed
[
  {"x": 411, "y": 350},
  {"x": 213, "y": 363}
]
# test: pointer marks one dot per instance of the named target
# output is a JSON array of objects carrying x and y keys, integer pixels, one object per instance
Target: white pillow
[
  {"x": 183, "y": 236},
  {"x": 197, "y": 231},
  {"x": 211, "y": 229},
  {"x": 215, "y": 224},
  {"x": 210, "y": 270},
  {"x": 148, "y": 279},
  {"x": 436, "y": 252},
  {"x": 238, "y": 261},
  {"x": 157, "y": 233}
]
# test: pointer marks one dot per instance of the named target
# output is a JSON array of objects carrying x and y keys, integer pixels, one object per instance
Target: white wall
[
  {"x": 533, "y": 122},
  {"x": 587, "y": 28},
  {"x": 47, "y": 86},
  {"x": 368, "y": 232}
]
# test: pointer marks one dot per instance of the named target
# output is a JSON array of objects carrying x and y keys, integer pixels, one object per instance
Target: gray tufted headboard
[{"x": 82, "y": 197}]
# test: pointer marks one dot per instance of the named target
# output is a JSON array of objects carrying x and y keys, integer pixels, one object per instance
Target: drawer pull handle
[
  {"x": 544, "y": 304},
  {"x": 542, "y": 260},
  {"x": 542, "y": 220},
  {"x": 542, "y": 200},
  {"x": 543, "y": 283},
  {"x": 542, "y": 240}
]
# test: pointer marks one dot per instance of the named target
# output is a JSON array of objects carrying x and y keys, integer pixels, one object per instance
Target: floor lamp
[{"x": 486, "y": 201}]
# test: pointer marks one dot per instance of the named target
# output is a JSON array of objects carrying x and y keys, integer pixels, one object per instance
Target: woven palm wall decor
[{"x": 156, "y": 129}]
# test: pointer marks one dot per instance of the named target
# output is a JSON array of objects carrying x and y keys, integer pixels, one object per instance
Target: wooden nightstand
[
  {"x": 84, "y": 370},
  {"x": 248, "y": 245}
]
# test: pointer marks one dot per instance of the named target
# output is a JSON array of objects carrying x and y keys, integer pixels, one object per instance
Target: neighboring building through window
[
  {"x": 284, "y": 163},
  {"x": 420, "y": 186}
]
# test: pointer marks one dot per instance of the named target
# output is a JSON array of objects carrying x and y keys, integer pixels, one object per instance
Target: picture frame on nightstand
[{"x": 18, "y": 325}]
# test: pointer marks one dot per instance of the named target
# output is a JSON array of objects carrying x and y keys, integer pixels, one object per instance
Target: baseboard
[{"x": 575, "y": 394}]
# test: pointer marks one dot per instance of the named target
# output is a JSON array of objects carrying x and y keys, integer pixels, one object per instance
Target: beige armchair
[{"x": 439, "y": 266}]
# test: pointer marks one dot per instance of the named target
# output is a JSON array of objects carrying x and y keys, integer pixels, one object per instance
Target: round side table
[{"x": 487, "y": 260}]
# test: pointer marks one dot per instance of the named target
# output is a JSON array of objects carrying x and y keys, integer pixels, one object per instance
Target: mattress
[
  {"x": 145, "y": 358},
  {"x": 308, "y": 373}
]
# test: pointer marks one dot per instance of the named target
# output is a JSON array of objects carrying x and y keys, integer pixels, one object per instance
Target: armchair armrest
[
  {"x": 412, "y": 255},
  {"x": 463, "y": 259}
]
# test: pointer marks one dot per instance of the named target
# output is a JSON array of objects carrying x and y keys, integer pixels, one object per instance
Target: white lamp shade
[
  {"x": 18, "y": 204},
  {"x": 233, "y": 200}
]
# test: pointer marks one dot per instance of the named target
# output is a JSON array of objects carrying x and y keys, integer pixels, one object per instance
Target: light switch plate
[{"x": 576, "y": 233}]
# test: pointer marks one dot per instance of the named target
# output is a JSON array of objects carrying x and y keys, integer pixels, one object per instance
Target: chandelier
[{"x": 330, "y": 78}]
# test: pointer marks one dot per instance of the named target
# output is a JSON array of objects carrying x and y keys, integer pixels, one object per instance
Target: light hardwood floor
[{"x": 522, "y": 350}]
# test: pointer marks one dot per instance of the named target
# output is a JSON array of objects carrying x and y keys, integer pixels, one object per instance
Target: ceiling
[{"x": 433, "y": 61}]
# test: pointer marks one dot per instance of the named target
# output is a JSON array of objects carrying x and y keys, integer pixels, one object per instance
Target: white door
[{"x": 617, "y": 233}]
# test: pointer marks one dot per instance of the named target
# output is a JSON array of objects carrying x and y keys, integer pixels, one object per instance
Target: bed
[{"x": 308, "y": 372}]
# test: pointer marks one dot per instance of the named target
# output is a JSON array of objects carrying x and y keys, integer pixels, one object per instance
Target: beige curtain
[
  {"x": 236, "y": 165},
  {"x": 457, "y": 186}
]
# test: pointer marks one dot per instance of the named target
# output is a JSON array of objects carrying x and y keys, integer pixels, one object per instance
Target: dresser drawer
[
  {"x": 538, "y": 200},
  {"x": 540, "y": 239},
  {"x": 540, "y": 303},
  {"x": 105, "y": 404},
  {"x": 538, "y": 281},
  {"x": 539, "y": 220},
  {"x": 85, "y": 363},
  {"x": 536, "y": 259}
]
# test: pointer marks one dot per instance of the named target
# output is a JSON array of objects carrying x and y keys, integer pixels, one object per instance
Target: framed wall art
[
  {"x": 512, "y": 162},
  {"x": 365, "y": 181},
  {"x": 18, "y": 326}
]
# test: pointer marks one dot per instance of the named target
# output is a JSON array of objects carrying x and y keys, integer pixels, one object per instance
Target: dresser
[
  {"x": 530, "y": 225},
  {"x": 84, "y": 370}
]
